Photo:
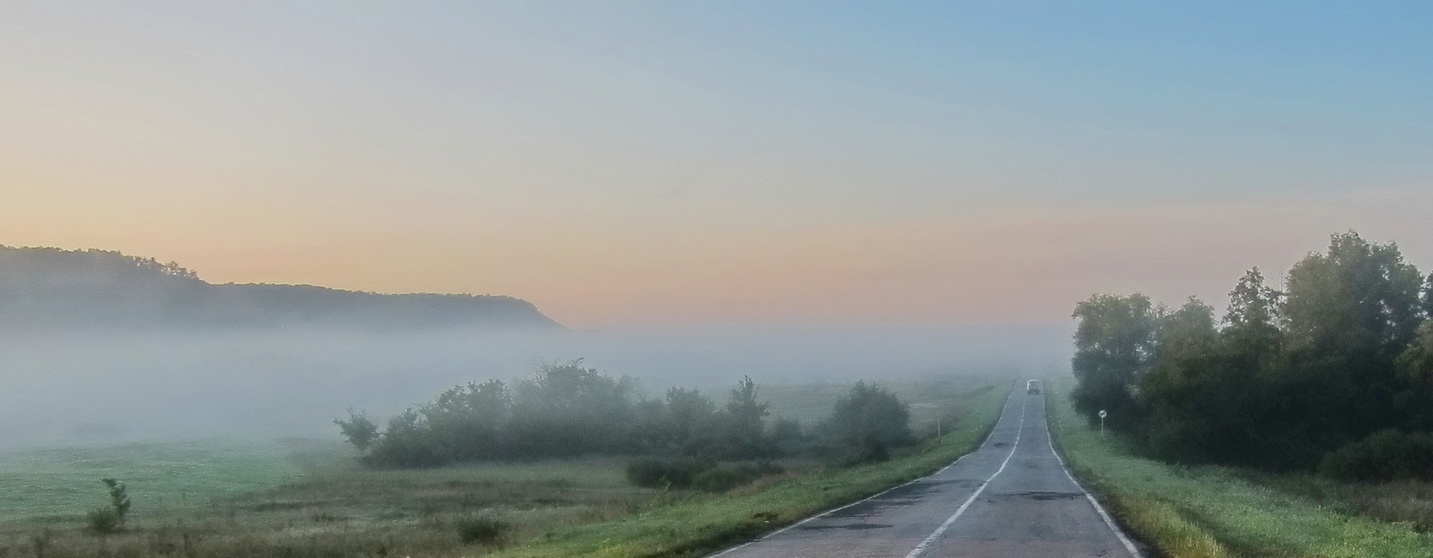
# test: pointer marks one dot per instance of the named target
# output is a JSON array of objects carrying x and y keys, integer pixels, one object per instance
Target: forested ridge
[
  {"x": 1333, "y": 371},
  {"x": 50, "y": 287}
]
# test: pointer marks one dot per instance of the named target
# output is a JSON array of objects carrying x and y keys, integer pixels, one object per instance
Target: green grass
[
  {"x": 1217, "y": 511},
  {"x": 65, "y": 482},
  {"x": 338, "y": 509}
]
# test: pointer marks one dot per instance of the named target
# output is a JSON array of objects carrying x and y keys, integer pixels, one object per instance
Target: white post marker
[{"x": 1102, "y": 424}]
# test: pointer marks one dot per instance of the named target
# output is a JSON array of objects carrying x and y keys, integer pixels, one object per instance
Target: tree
[
  {"x": 1198, "y": 396},
  {"x": 1187, "y": 331},
  {"x": 1345, "y": 352},
  {"x": 1359, "y": 297},
  {"x": 469, "y": 420},
  {"x": 688, "y": 411},
  {"x": 110, "y": 519},
  {"x": 118, "y": 498},
  {"x": 1416, "y": 363},
  {"x": 1114, "y": 344},
  {"x": 745, "y": 422},
  {"x": 1252, "y": 332},
  {"x": 1415, "y": 366},
  {"x": 1350, "y": 313},
  {"x": 567, "y": 409},
  {"x": 867, "y": 421},
  {"x": 1428, "y": 298},
  {"x": 407, "y": 441},
  {"x": 358, "y": 430}
]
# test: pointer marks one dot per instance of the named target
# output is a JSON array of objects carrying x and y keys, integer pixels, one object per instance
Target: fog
[{"x": 104, "y": 387}]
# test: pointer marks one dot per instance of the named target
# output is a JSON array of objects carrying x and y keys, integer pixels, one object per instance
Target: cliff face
[{"x": 49, "y": 287}]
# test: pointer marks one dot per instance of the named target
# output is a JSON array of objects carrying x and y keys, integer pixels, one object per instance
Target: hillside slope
[{"x": 50, "y": 287}]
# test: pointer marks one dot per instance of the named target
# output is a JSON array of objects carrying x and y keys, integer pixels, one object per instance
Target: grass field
[
  {"x": 61, "y": 483},
  {"x": 1196, "y": 512},
  {"x": 303, "y": 498}
]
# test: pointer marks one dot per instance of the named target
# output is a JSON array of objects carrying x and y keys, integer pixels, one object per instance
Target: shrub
[
  {"x": 666, "y": 473},
  {"x": 1387, "y": 455},
  {"x": 359, "y": 430},
  {"x": 731, "y": 475},
  {"x": 40, "y": 542},
  {"x": 866, "y": 421},
  {"x": 102, "y": 521},
  {"x": 869, "y": 449},
  {"x": 480, "y": 529}
]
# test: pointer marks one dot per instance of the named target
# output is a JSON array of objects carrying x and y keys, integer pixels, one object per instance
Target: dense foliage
[
  {"x": 1385, "y": 455},
  {"x": 679, "y": 472},
  {"x": 564, "y": 410},
  {"x": 1283, "y": 379},
  {"x": 867, "y": 422},
  {"x": 567, "y": 410}
]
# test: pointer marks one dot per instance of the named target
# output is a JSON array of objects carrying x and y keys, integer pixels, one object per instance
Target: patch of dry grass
[{"x": 1407, "y": 502}]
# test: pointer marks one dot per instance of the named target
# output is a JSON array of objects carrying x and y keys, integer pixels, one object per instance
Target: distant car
[{"x": 1032, "y": 386}]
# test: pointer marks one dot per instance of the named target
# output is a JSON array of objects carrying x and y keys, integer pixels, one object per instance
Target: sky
[{"x": 640, "y": 164}]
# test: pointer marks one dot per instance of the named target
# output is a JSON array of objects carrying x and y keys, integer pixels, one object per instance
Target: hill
[{"x": 51, "y": 287}]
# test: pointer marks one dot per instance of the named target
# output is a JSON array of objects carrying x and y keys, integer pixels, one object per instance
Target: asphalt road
[{"x": 1011, "y": 497}]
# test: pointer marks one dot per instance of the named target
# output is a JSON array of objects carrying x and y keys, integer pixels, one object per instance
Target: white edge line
[
  {"x": 1125, "y": 540},
  {"x": 921, "y": 548},
  {"x": 1008, "y": 399}
]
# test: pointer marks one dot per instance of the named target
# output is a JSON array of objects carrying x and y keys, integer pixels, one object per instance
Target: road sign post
[{"x": 1102, "y": 424}]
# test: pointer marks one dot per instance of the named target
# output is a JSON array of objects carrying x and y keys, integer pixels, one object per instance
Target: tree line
[
  {"x": 1340, "y": 356},
  {"x": 568, "y": 409}
]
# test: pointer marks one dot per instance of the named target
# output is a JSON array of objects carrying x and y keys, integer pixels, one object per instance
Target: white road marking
[
  {"x": 1008, "y": 399},
  {"x": 1128, "y": 544},
  {"x": 921, "y": 548}
]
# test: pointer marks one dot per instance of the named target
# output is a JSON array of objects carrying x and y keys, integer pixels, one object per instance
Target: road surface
[{"x": 1011, "y": 497}]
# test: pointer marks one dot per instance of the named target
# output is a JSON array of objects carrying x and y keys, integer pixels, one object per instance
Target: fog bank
[{"x": 99, "y": 387}]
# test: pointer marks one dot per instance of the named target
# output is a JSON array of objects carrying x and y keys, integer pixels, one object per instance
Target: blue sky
[{"x": 651, "y": 163}]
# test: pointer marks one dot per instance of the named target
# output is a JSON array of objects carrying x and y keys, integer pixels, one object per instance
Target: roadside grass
[
  {"x": 1207, "y": 511},
  {"x": 308, "y": 498},
  {"x": 1409, "y": 502}
]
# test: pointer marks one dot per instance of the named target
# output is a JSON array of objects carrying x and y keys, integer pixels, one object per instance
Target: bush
[
  {"x": 666, "y": 473},
  {"x": 867, "y": 450},
  {"x": 866, "y": 421},
  {"x": 102, "y": 521},
  {"x": 1387, "y": 455},
  {"x": 481, "y": 530},
  {"x": 731, "y": 475},
  {"x": 359, "y": 430}
]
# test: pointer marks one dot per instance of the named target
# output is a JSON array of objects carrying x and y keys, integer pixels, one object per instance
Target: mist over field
[{"x": 102, "y": 386}]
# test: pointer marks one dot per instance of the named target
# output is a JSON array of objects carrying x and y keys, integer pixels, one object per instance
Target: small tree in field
[
  {"x": 745, "y": 423},
  {"x": 111, "y": 519},
  {"x": 358, "y": 430}
]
